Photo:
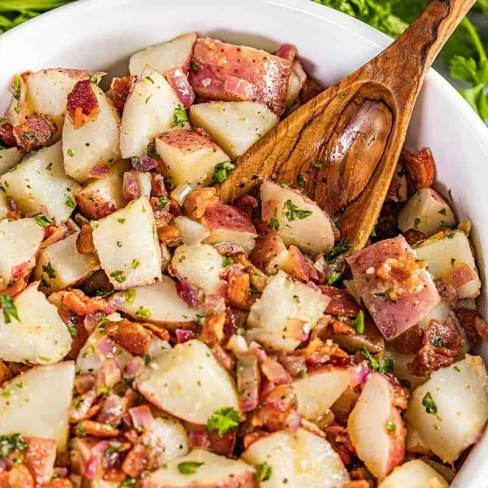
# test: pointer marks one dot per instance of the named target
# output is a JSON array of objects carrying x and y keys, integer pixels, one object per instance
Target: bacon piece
[
  {"x": 473, "y": 324},
  {"x": 37, "y": 131},
  {"x": 132, "y": 336},
  {"x": 459, "y": 274},
  {"x": 248, "y": 381},
  {"x": 278, "y": 410},
  {"x": 82, "y": 104},
  {"x": 413, "y": 236},
  {"x": 170, "y": 235},
  {"x": 222, "y": 445},
  {"x": 224, "y": 71},
  {"x": 18, "y": 477},
  {"x": 96, "y": 429},
  {"x": 341, "y": 303},
  {"x": 79, "y": 303},
  {"x": 191, "y": 295},
  {"x": 144, "y": 456},
  {"x": 179, "y": 82},
  {"x": 447, "y": 292},
  {"x": 130, "y": 187},
  {"x": 275, "y": 372},
  {"x": 198, "y": 200},
  {"x": 146, "y": 163},
  {"x": 7, "y": 134},
  {"x": 420, "y": 168},
  {"x": 84, "y": 241},
  {"x": 310, "y": 89},
  {"x": 287, "y": 51},
  {"x": 265, "y": 250},
  {"x": 213, "y": 329},
  {"x": 39, "y": 458},
  {"x": 225, "y": 360},
  {"x": 238, "y": 283},
  {"x": 120, "y": 91},
  {"x": 59, "y": 483}
]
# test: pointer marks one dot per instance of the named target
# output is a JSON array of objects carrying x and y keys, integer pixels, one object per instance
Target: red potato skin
[
  {"x": 397, "y": 445},
  {"x": 222, "y": 71},
  {"x": 93, "y": 205},
  {"x": 266, "y": 249},
  {"x": 186, "y": 141},
  {"x": 391, "y": 317},
  {"x": 222, "y": 216},
  {"x": 248, "y": 480}
]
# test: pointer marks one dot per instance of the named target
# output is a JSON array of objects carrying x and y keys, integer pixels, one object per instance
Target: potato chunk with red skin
[
  {"x": 392, "y": 316},
  {"x": 222, "y": 71}
]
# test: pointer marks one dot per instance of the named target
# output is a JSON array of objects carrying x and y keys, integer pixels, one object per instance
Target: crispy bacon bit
[
  {"x": 238, "y": 283},
  {"x": 473, "y": 324},
  {"x": 39, "y": 458},
  {"x": 410, "y": 341},
  {"x": 400, "y": 276},
  {"x": 18, "y": 477},
  {"x": 287, "y": 51},
  {"x": 357, "y": 484},
  {"x": 441, "y": 344},
  {"x": 225, "y": 360},
  {"x": 341, "y": 303},
  {"x": 130, "y": 186},
  {"x": 248, "y": 381},
  {"x": 59, "y": 483},
  {"x": 246, "y": 203},
  {"x": 79, "y": 303},
  {"x": 170, "y": 235},
  {"x": 144, "y": 456},
  {"x": 448, "y": 292},
  {"x": 37, "y": 131},
  {"x": 222, "y": 444},
  {"x": 275, "y": 372},
  {"x": 213, "y": 329},
  {"x": 278, "y": 410},
  {"x": 179, "y": 82},
  {"x": 459, "y": 274},
  {"x": 5, "y": 372},
  {"x": 413, "y": 236},
  {"x": 96, "y": 429},
  {"x": 187, "y": 292},
  {"x": 84, "y": 241},
  {"x": 319, "y": 352},
  {"x": 420, "y": 168},
  {"x": 132, "y": 336},
  {"x": 7, "y": 134},
  {"x": 310, "y": 89},
  {"x": 198, "y": 200},
  {"x": 120, "y": 91},
  {"x": 82, "y": 104}
]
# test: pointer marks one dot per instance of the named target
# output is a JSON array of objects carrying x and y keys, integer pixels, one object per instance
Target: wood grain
[{"x": 355, "y": 128}]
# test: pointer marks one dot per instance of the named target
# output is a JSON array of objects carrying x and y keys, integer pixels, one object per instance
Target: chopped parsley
[
  {"x": 29, "y": 136},
  {"x": 220, "y": 171},
  {"x": 443, "y": 211},
  {"x": 223, "y": 420},
  {"x": 168, "y": 181},
  {"x": 189, "y": 467},
  {"x": 9, "y": 309},
  {"x": 301, "y": 180},
  {"x": 453, "y": 260},
  {"x": 391, "y": 427},
  {"x": 336, "y": 251},
  {"x": 151, "y": 152},
  {"x": 121, "y": 221},
  {"x": 10, "y": 443},
  {"x": 302, "y": 373},
  {"x": 118, "y": 276},
  {"x": 263, "y": 471},
  {"x": 386, "y": 294},
  {"x": 129, "y": 481},
  {"x": 130, "y": 295},
  {"x": 73, "y": 331},
  {"x": 70, "y": 153},
  {"x": 16, "y": 87},
  {"x": 273, "y": 223},
  {"x": 49, "y": 270},
  {"x": 358, "y": 322},
  {"x": 43, "y": 220},
  {"x": 227, "y": 261},
  {"x": 135, "y": 263},
  {"x": 416, "y": 224},
  {"x": 317, "y": 164},
  {"x": 143, "y": 312},
  {"x": 293, "y": 213},
  {"x": 429, "y": 404},
  {"x": 68, "y": 201},
  {"x": 162, "y": 202},
  {"x": 135, "y": 161},
  {"x": 383, "y": 366},
  {"x": 451, "y": 235},
  {"x": 148, "y": 78},
  {"x": 180, "y": 118},
  {"x": 334, "y": 277},
  {"x": 94, "y": 78}
]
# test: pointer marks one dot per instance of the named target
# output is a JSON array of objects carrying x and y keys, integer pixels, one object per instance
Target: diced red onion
[
  {"x": 146, "y": 163},
  {"x": 92, "y": 320},
  {"x": 214, "y": 304},
  {"x": 114, "y": 303},
  {"x": 258, "y": 351},
  {"x": 107, "y": 347},
  {"x": 183, "y": 335},
  {"x": 188, "y": 293},
  {"x": 275, "y": 372},
  {"x": 133, "y": 367},
  {"x": 179, "y": 82},
  {"x": 130, "y": 186},
  {"x": 109, "y": 373},
  {"x": 141, "y": 416},
  {"x": 99, "y": 171},
  {"x": 266, "y": 388},
  {"x": 359, "y": 374}
]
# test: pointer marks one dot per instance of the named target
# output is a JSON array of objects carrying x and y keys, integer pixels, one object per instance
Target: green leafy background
[{"x": 465, "y": 53}]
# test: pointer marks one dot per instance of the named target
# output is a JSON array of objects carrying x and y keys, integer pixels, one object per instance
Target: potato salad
[{"x": 155, "y": 336}]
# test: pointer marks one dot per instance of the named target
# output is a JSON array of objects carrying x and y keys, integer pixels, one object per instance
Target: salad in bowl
[{"x": 153, "y": 335}]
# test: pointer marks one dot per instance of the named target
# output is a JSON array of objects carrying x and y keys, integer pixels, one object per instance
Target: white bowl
[{"x": 100, "y": 34}]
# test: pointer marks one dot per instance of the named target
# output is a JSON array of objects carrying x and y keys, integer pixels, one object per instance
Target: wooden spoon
[{"x": 354, "y": 130}]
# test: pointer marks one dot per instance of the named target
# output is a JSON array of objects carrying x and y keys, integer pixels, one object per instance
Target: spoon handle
[{"x": 413, "y": 53}]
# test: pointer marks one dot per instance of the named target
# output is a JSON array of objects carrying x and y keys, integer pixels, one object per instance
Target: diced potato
[
  {"x": 392, "y": 316},
  {"x": 159, "y": 304},
  {"x": 449, "y": 256},
  {"x": 39, "y": 336},
  {"x": 414, "y": 474},
  {"x": 164, "y": 56},
  {"x": 48, "y": 89},
  {"x": 18, "y": 255},
  {"x": 302, "y": 458},
  {"x": 151, "y": 108},
  {"x": 234, "y": 126},
  {"x": 296, "y": 219},
  {"x": 295, "y": 83},
  {"x": 376, "y": 428},
  {"x": 103, "y": 196},
  {"x": 400, "y": 370},
  {"x": 228, "y": 223},
  {"x": 173, "y": 435},
  {"x": 143, "y": 179},
  {"x": 212, "y": 471},
  {"x": 439, "y": 312},
  {"x": 427, "y": 212},
  {"x": 36, "y": 403},
  {"x": 40, "y": 180},
  {"x": 189, "y": 157},
  {"x": 9, "y": 158},
  {"x": 61, "y": 265},
  {"x": 189, "y": 383},
  {"x": 451, "y": 408},
  {"x": 414, "y": 442},
  {"x": 128, "y": 247},
  {"x": 200, "y": 265},
  {"x": 319, "y": 390},
  {"x": 96, "y": 144},
  {"x": 191, "y": 231},
  {"x": 285, "y": 314}
]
